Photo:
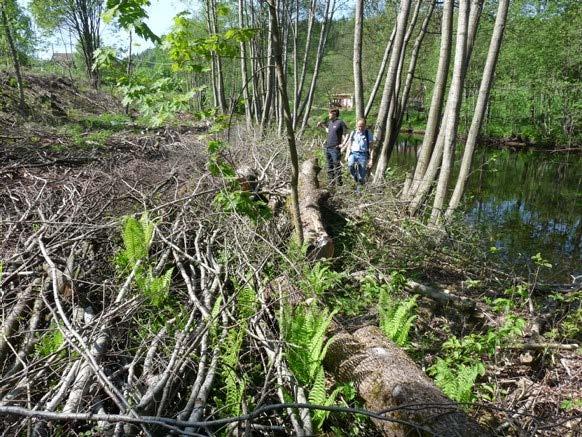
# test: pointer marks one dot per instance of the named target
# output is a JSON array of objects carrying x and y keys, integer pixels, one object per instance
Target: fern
[
  {"x": 155, "y": 288},
  {"x": 457, "y": 380},
  {"x": 148, "y": 227},
  {"x": 458, "y": 370},
  {"x": 234, "y": 386},
  {"x": 304, "y": 330},
  {"x": 396, "y": 317},
  {"x": 134, "y": 241},
  {"x": 321, "y": 278},
  {"x": 50, "y": 342}
]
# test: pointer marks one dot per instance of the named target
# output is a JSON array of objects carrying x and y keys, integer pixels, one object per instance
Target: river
[{"x": 522, "y": 203}]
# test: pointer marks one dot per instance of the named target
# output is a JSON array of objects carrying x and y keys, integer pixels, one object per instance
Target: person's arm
[
  {"x": 323, "y": 125},
  {"x": 345, "y": 133}
]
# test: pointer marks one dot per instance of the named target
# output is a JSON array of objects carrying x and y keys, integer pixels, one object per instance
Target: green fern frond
[
  {"x": 148, "y": 228},
  {"x": 396, "y": 318},
  {"x": 133, "y": 240},
  {"x": 318, "y": 396},
  {"x": 247, "y": 303}
]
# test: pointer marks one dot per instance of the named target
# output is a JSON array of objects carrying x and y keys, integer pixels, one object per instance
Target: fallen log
[
  {"x": 318, "y": 242},
  {"x": 384, "y": 376},
  {"x": 389, "y": 381}
]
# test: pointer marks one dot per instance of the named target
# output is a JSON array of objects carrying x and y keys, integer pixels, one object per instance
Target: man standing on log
[{"x": 336, "y": 129}]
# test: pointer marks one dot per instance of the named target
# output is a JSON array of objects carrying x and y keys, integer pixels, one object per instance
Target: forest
[{"x": 291, "y": 217}]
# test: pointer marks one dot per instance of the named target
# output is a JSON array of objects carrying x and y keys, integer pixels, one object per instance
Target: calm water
[{"x": 523, "y": 204}]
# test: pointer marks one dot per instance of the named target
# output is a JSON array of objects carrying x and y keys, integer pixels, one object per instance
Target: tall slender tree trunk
[
  {"x": 243, "y": 66},
  {"x": 480, "y": 106},
  {"x": 268, "y": 99},
  {"x": 308, "y": 38},
  {"x": 450, "y": 123},
  {"x": 255, "y": 68},
  {"x": 357, "y": 60},
  {"x": 389, "y": 85},
  {"x": 218, "y": 60},
  {"x": 22, "y": 109},
  {"x": 216, "y": 67},
  {"x": 413, "y": 60},
  {"x": 306, "y": 107},
  {"x": 395, "y": 111},
  {"x": 282, "y": 86},
  {"x": 430, "y": 135},
  {"x": 380, "y": 75}
]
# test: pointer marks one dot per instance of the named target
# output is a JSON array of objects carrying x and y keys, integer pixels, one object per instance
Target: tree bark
[
  {"x": 389, "y": 85},
  {"x": 243, "y": 66},
  {"x": 394, "y": 113},
  {"x": 357, "y": 60},
  {"x": 319, "y": 243},
  {"x": 282, "y": 85},
  {"x": 430, "y": 134},
  {"x": 387, "y": 379},
  {"x": 299, "y": 88},
  {"x": 480, "y": 106},
  {"x": 412, "y": 65},
  {"x": 381, "y": 72},
  {"x": 306, "y": 106},
  {"x": 450, "y": 123}
]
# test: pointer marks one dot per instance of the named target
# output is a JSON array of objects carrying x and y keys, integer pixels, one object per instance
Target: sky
[{"x": 160, "y": 14}]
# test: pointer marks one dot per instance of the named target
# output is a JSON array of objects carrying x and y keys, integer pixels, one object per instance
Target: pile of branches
[{"x": 84, "y": 346}]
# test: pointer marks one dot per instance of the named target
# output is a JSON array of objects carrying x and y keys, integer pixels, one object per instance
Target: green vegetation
[
  {"x": 457, "y": 370},
  {"x": 234, "y": 197},
  {"x": 304, "y": 329},
  {"x": 396, "y": 317},
  {"x": 50, "y": 342},
  {"x": 234, "y": 383},
  {"x": 137, "y": 238}
]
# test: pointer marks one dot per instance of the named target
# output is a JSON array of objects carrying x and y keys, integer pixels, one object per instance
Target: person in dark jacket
[{"x": 336, "y": 129}]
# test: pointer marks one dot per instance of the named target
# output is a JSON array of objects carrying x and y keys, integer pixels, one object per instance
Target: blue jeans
[
  {"x": 334, "y": 171},
  {"x": 358, "y": 165}
]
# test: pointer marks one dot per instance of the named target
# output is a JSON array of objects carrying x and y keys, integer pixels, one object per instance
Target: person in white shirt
[{"x": 358, "y": 147}]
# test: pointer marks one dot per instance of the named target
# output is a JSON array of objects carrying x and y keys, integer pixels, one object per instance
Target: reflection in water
[{"x": 522, "y": 203}]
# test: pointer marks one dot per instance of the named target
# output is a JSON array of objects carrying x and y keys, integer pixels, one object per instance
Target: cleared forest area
[{"x": 136, "y": 299}]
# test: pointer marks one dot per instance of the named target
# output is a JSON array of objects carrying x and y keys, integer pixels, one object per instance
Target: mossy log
[
  {"x": 389, "y": 381},
  {"x": 311, "y": 196}
]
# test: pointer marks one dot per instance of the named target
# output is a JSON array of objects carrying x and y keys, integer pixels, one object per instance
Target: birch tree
[
  {"x": 480, "y": 106},
  {"x": 357, "y": 59},
  {"x": 434, "y": 113}
]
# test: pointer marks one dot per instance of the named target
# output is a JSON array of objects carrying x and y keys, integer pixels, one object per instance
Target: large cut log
[
  {"x": 319, "y": 243},
  {"x": 389, "y": 381}
]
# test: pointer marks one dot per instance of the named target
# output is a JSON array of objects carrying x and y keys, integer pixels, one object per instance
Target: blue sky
[{"x": 160, "y": 14}]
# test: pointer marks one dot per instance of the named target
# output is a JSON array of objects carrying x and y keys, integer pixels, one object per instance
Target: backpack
[{"x": 367, "y": 140}]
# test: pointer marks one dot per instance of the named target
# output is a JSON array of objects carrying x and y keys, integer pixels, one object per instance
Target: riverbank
[{"x": 514, "y": 143}]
